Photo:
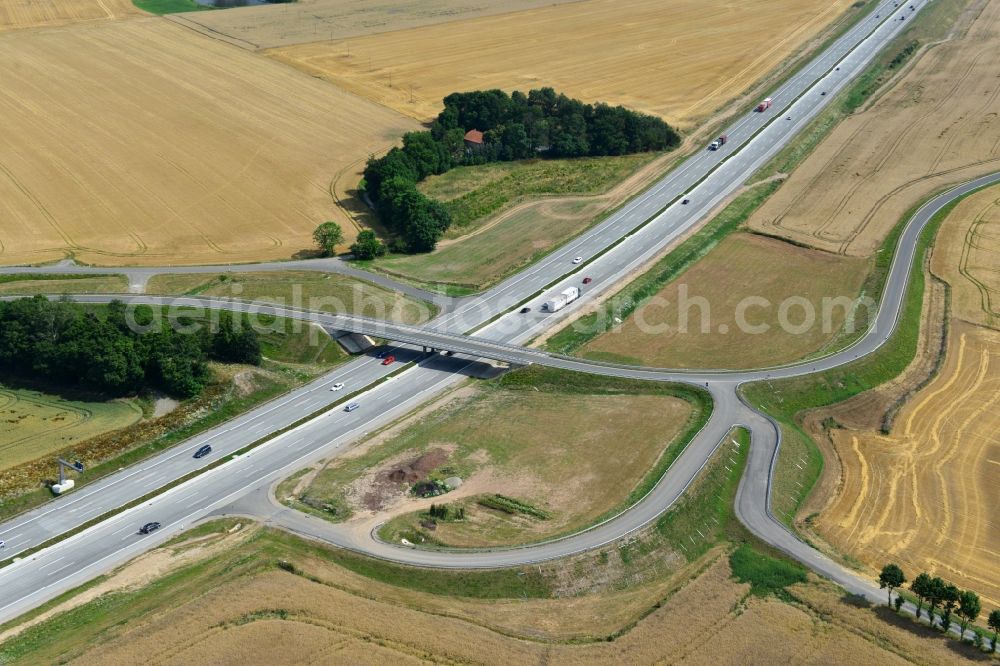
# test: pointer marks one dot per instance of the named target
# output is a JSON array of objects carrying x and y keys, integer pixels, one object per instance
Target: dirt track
[
  {"x": 938, "y": 125},
  {"x": 679, "y": 60},
  {"x": 141, "y": 142}
]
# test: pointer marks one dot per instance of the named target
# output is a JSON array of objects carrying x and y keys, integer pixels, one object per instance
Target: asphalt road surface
[{"x": 624, "y": 241}]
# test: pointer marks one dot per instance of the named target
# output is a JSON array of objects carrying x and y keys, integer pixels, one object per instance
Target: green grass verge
[
  {"x": 33, "y": 277},
  {"x": 767, "y": 575},
  {"x": 473, "y": 193},
  {"x": 170, "y": 6}
]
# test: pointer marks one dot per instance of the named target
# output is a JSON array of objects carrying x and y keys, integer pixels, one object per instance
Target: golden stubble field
[
  {"x": 142, "y": 142},
  {"x": 211, "y": 616},
  {"x": 17, "y": 14},
  {"x": 967, "y": 255},
  {"x": 262, "y": 26},
  {"x": 939, "y": 124},
  {"x": 679, "y": 60},
  {"x": 925, "y": 494}
]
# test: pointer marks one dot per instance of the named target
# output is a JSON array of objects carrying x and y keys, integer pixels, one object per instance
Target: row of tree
[
  {"x": 116, "y": 352},
  {"x": 936, "y": 592},
  {"x": 540, "y": 123}
]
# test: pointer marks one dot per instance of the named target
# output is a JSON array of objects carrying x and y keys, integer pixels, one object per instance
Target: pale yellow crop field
[
  {"x": 16, "y": 14},
  {"x": 938, "y": 125},
  {"x": 925, "y": 495},
  {"x": 262, "y": 26},
  {"x": 679, "y": 60},
  {"x": 142, "y": 142}
]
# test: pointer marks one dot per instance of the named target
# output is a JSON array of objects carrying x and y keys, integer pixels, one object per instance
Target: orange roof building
[{"x": 474, "y": 137}]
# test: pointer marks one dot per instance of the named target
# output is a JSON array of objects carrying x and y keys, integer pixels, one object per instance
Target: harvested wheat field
[
  {"x": 926, "y": 495},
  {"x": 939, "y": 124},
  {"x": 705, "y": 318},
  {"x": 141, "y": 142},
  {"x": 17, "y": 14},
  {"x": 680, "y": 60},
  {"x": 263, "y": 26},
  {"x": 227, "y": 603},
  {"x": 967, "y": 255}
]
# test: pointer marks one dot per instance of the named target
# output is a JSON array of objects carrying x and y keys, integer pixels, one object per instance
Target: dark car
[
  {"x": 149, "y": 528},
  {"x": 587, "y": 280},
  {"x": 823, "y": 93},
  {"x": 382, "y": 354},
  {"x": 203, "y": 451},
  {"x": 685, "y": 201},
  {"x": 525, "y": 309}
]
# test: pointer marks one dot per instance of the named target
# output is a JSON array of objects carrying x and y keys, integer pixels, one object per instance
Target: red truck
[
  {"x": 718, "y": 143},
  {"x": 765, "y": 105}
]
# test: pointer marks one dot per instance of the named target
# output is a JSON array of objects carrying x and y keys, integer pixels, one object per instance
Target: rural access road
[{"x": 626, "y": 240}]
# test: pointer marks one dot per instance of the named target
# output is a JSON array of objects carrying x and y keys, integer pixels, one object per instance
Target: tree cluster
[
  {"x": 936, "y": 592},
  {"x": 541, "y": 123},
  {"x": 65, "y": 343},
  {"x": 520, "y": 125}
]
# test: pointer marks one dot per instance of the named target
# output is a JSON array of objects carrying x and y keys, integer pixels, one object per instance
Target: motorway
[{"x": 626, "y": 240}]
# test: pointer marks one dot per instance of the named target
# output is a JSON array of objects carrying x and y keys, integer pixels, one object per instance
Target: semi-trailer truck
[
  {"x": 564, "y": 297},
  {"x": 765, "y": 105},
  {"x": 718, "y": 143}
]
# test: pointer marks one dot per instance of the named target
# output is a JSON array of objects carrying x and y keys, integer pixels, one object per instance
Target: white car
[
  {"x": 577, "y": 260},
  {"x": 337, "y": 386}
]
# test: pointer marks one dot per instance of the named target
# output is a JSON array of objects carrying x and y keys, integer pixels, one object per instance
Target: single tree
[
  {"x": 949, "y": 600},
  {"x": 935, "y": 595},
  {"x": 898, "y": 603},
  {"x": 993, "y": 622},
  {"x": 920, "y": 587},
  {"x": 968, "y": 608},
  {"x": 328, "y": 236},
  {"x": 367, "y": 246},
  {"x": 891, "y": 578}
]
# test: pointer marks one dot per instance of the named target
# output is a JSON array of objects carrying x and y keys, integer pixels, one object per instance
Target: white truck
[{"x": 564, "y": 297}]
